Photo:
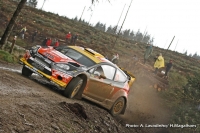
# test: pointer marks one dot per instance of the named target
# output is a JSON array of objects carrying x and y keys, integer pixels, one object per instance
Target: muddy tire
[
  {"x": 118, "y": 106},
  {"x": 26, "y": 72},
  {"x": 73, "y": 87}
]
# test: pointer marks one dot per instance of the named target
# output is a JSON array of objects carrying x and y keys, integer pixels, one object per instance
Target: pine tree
[
  {"x": 32, "y": 3},
  {"x": 185, "y": 52},
  {"x": 132, "y": 35},
  {"x": 126, "y": 33},
  {"x": 10, "y": 26},
  {"x": 109, "y": 30},
  {"x": 76, "y": 19}
]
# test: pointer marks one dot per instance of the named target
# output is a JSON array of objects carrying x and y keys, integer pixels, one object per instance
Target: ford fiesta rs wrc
[{"x": 81, "y": 72}]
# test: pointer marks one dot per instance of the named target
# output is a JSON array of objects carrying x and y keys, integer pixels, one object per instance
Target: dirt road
[{"x": 27, "y": 105}]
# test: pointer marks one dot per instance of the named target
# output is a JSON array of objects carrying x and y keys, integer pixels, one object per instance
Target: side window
[
  {"x": 108, "y": 71},
  {"x": 120, "y": 77},
  {"x": 98, "y": 71},
  {"x": 91, "y": 70}
]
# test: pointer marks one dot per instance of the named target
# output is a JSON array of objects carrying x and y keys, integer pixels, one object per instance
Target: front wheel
[
  {"x": 73, "y": 87},
  {"x": 118, "y": 106},
  {"x": 26, "y": 72}
]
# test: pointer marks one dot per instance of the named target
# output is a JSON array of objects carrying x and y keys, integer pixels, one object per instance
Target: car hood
[{"x": 55, "y": 55}]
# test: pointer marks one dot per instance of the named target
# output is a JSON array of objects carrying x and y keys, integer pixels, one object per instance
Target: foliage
[
  {"x": 100, "y": 26},
  {"x": 179, "y": 78},
  {"x": 21, "y": 43},
  {"x": 186, "y": 115},
  {"x": 196, "y": 56},
  {"x": 186, "y": 102},
  {"x": 111, "y": 30},
  {"x": 7, "y": 57},
  {"x": 32, "y": 3}
]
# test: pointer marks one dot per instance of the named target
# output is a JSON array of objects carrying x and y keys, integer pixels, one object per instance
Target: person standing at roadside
[
  {"x": 23, "y": 30},
  {"x": 68, "y": 37},
  {"x": 168, "y": 68},
  {"x": 115, "y": 59},
  {"x": 147, "y": 53},
  {"x": 159, "y": 63},
  {"x": 56, "y": 44},
  {"x": 34, "y": 35},
  {"x": 156, "y": 57},
  {"x": 135, "y": 60},
  {"x": 49, "y": 41},
  {"x": 13, "y": 44},
  {"x": 74, "y": 38},
  {"x": 44, "y": 41}
]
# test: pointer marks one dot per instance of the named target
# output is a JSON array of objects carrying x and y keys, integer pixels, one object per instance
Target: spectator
[
  {"x": 34, "y": 35},
  {"x": 149, "y": 50},
  {"x": 23, "y": 30},
  {"x": 135, "y": 60},
  {"x": 13, "y": 43},
  {"x": 159, "y": 63},
  {"x": 56, "y": 44},
  {"x": 156, "y": 57},
  {"x": 44, "y": 41},
  {"x": 115, "y": 59},
  {"x": 74, "y": 38},
  {"x": 49, "y": 41},
  {"x": 68, "y": 37},
  {"x": 168, "y": 68},
  {"x": 54, "y": 41}
]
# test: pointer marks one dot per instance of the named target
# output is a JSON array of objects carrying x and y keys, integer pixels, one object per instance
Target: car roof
[{"x": 90, "y": 53}]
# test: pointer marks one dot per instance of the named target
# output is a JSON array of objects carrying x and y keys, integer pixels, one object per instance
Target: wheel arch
[
  {"x": 84, "y": 77},
  {"x": 124, "y": 109},
  {"x": 123, "y": 95}
]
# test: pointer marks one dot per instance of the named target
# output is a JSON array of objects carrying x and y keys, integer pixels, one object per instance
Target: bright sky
[{"x": 162, "y": 19}]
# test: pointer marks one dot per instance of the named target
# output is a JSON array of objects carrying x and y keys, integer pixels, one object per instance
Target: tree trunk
[{"x": 11, "y": 23}]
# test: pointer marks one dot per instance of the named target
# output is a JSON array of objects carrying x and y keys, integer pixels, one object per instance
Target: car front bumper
[{"x": 50, "y": 78}]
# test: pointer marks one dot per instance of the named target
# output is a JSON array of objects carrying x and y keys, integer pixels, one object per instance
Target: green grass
[{"x": 5, "y": 56}]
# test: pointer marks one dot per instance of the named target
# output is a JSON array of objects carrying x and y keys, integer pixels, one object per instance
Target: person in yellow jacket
[
  {"x": 23, "y": 30},
  {"x": 159, "y": 63}
]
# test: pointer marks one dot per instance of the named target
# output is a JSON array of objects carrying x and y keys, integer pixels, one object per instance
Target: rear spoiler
[
  {"x": 130, "y": 76},
  {"x": 127, "y": 72}
]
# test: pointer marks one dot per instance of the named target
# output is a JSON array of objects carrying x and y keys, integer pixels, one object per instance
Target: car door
[{"x": 100, "y": 86}]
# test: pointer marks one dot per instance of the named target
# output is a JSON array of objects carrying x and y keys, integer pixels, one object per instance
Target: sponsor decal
[{"x": 49, "y": 55}]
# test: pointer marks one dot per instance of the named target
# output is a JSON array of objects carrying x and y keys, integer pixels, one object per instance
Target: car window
[
  {"x": 77, "y": 56},
  {"x": 99, "y": 71},
  {"x": 108, "y": 71},
  {"x": 91, "y": 70},
  {"x": 120, "y": 77}
]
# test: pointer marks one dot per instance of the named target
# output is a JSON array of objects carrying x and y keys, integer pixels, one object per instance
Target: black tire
[
  {"x": 118, "y": 106},
  {"x": 26, "y": 72},
  {"x": 73, "y": 87}
]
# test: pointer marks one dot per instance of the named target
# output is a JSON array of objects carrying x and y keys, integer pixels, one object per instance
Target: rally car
[{"x": 81, "y": 72}]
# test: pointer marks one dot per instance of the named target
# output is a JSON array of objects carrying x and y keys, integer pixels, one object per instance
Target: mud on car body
[{"x": 81, "y": 72}]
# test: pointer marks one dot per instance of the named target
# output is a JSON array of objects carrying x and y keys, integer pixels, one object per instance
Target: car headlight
[
  {"x": 34, "y": 50},
  {"x": 63, "y": 66}
]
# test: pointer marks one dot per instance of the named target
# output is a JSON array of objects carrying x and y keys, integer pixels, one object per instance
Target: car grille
[{"x": 40, "y": 64}]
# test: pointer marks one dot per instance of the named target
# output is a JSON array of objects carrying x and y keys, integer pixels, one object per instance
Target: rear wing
[{"x": 130, "y": 75}]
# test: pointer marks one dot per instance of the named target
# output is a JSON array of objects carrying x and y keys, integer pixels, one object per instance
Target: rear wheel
[
  {"x": 73, "y": 87},
  {"x": 26, "y": 72},
  {"x": 118, "y": 106}
]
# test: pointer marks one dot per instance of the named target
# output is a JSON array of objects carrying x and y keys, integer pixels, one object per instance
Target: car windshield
[{"x": 77, "y": 56}]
